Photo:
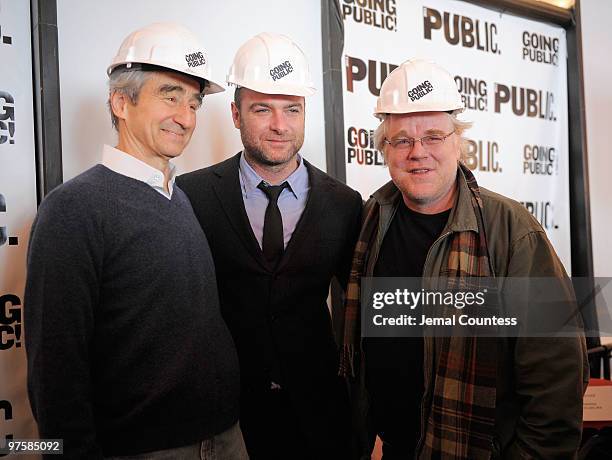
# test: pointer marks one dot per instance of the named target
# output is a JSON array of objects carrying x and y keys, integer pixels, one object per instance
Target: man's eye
[
  {"x": 171, "y": 99},
  {"x": 432, "y": 139},
  {"x": 403, "y": 141}
]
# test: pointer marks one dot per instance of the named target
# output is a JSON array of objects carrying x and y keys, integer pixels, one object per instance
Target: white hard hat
[
  {"x": 169, "y": 45},
  {"x": 271, "y": 64},
  {"x": 418, "y": 86}
]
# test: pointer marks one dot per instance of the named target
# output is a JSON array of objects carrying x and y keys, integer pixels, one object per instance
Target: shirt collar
[
  {"x": 298, "y": 180},
  {"x": 130, "y": 166}
]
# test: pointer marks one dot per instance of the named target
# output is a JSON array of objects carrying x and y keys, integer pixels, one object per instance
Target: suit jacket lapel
[
  {"x": 227, "y": 190},
  {"x": 318, "y": 196}
]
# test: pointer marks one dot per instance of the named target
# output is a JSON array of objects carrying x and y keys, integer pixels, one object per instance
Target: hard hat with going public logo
[
  {"x": 418, "y": 85},
  {"x": 168, "y": 45},
  {"x": 271, "y": 64}
]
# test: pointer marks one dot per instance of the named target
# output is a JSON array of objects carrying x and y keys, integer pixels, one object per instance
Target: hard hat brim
[
  {"x": 413, "y": 108},
  {"x": 264, "y": 88},
  {"x": 208, "y": 86}
]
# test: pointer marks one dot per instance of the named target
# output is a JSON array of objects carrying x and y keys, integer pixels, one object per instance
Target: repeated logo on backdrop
[
  {"x": 6, "y": 415},
  {"x": 543, "y": 211},
  {"x": 7, "y": 118},
  {"x": 460, "y": 30},
  {"x": 5, "y": 39},
  {"x": 361, "y": 149},
  {"x": 4, "y": 238},
  {"x": 511, "y": 74},
  {"x": 540, "y": 48},
  {"x": 483, "y": 156},
  {"x": 368, "y": 71},
  {"x": 10, "y": 322},
  {"x": 474, "y": 92},
  {"x": 528, "y": 102},
  {"x": 380, "y": 14}
]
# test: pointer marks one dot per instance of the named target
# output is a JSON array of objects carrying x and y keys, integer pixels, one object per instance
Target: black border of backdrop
[
  {"x": 47, "y": 113},
  {"x": 580, "y": 213}
]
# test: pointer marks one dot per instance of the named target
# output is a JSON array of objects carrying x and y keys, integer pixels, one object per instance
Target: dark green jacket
[{"x": 541, "y": 381}]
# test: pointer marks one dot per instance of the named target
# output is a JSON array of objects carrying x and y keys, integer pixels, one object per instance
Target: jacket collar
[
  {"x": 461, "y": 218},
  {"x": 228, "y": 192}
]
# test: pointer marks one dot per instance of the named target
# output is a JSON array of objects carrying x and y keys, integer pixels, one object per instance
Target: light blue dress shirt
[{"x": 291, "y": 201}]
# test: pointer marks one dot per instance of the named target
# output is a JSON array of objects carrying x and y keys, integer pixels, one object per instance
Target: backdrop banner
[
  {"x": 17, "y": 210},
  {"x": 512, "y": 75}
]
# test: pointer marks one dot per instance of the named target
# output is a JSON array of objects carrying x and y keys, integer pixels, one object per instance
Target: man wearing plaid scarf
[{"x": 454, "y": 397}]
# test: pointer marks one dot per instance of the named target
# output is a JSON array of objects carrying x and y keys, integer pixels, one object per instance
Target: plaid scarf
[{"x": 461, "y": 414}]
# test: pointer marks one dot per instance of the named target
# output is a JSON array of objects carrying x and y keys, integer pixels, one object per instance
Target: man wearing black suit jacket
[{"x": 279, "y": 230}]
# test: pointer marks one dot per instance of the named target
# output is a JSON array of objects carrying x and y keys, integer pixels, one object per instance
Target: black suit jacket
[{"x": 279, "y": 317}]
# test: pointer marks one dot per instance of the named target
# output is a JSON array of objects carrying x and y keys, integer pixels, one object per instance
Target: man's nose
[
  {"x": 417, "y": 151},
  {"x": 185, "y": 116},
  {"x": 278, "y": 122}
]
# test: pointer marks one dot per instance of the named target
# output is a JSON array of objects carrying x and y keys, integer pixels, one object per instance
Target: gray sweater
[{"x": 127, "y": 350}]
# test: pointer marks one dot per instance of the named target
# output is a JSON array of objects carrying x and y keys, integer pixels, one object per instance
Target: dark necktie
[{"x": 273, "y": 243}]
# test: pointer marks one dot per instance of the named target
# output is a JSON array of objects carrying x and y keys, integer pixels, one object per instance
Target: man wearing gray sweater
[{"x": 127, "y": 352}]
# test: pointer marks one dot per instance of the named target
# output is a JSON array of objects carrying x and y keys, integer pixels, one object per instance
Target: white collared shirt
[{"x": 127, "y": 165}]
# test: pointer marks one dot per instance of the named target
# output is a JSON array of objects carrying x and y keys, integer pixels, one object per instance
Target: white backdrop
[
  {"x": 597, "y": 36},
  {"x": 512, "y": 74},
  {"x": 90, "y": 33},
  {"x": 17, "y": 209}
]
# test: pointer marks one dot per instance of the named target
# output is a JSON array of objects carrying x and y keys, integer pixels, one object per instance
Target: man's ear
[
  {"x": 119, "y": 103},
  {"x": 236, "y": 115}
]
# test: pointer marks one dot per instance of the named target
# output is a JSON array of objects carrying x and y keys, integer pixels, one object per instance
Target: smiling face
[
  {"x": 159, "y": 126},
  {"x": 271, "y": 127},
  {"x": 426, "y": 176}
]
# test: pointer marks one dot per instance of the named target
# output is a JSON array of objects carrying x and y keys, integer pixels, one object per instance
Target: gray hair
[
  {"x": 128, "y": 82},
  {"x": 459, "y": 125}
]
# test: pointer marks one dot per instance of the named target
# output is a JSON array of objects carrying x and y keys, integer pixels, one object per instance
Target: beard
[{"x": 266, "y": 157}]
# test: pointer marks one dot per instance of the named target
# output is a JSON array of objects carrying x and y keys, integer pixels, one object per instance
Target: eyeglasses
[{"x": 407, "y": 143}]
